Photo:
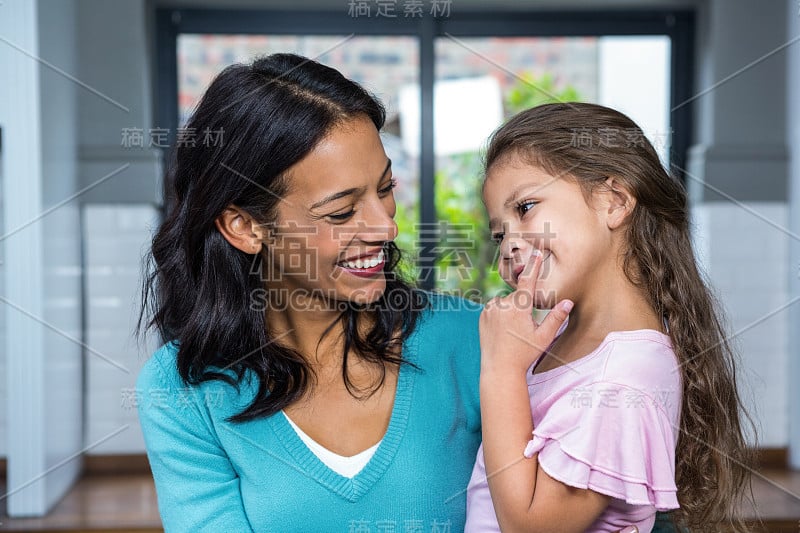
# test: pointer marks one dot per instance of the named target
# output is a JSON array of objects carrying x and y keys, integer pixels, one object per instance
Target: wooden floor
[
  {"x": 777, "y": 497},
  {"x": 122, "y": 504},
  {"x": 117, "y": 504}
]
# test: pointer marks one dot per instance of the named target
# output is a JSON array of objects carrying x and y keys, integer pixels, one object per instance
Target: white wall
[
  {"x": 115, "y": 239},
  {"x": 117, "y": 214},
  {"x": 746, "y": 260},
  {"x": 737, "y": 178},
  {"x": 63, "y": 365},
  {"x": 793, "y": 139},
  {"x": 3, "y": 356},
  {"x": 41, "y": 258}
]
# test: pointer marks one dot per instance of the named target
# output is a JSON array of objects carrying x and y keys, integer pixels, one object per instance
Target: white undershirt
[{"x": 344, "y": 466}]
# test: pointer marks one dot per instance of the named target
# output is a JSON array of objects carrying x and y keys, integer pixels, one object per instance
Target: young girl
[{"x": 634, "y": 405}]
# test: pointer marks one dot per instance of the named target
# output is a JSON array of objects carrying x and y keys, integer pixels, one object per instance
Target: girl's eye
[
  {"x": 498, "y": 237},
  {"x": 525, "y": 206},
  {"x": 341, "y": 217},
  {"x": 388, "y": 188}
]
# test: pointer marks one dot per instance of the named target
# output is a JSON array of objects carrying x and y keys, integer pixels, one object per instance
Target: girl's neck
[{"x": 616, "y": 305}]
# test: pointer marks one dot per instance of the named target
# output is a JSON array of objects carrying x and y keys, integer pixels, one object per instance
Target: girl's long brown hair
[{"x": 589, "y": 143}]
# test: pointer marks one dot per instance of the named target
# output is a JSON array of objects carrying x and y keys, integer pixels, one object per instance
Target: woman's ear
[
  {"x": 240, "y": 229},
  {"x": 620, "y": 203}
]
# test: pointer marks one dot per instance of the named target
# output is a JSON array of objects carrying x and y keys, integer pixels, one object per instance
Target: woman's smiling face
[{"x": 332, "y": 225}]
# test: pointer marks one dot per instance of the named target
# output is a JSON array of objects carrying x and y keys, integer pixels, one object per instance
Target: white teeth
[{"x": 361, "y": 263}]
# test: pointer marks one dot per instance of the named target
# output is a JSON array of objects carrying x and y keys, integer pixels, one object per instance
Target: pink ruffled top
[{"x": 607, "y": 422}]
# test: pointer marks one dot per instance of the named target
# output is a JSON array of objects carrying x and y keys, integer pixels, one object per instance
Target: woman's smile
[{"x": 366, "y": 265}]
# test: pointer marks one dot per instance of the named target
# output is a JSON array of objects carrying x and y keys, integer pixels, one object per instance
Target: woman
[{"x": 305, "y": 386}]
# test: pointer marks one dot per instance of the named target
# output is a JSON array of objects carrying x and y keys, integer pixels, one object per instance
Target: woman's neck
[{"x": 308, "y": 327}]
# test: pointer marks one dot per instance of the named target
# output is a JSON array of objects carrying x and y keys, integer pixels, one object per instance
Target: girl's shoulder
[
  {"x": 643, "y": 361},
  {"x": 644, "y": 351}
]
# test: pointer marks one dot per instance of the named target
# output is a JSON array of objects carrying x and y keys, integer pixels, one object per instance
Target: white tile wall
[
  {"x": 3, "y": 392},
  {"x": 63, "y": 364},
  {"x": 116, "y": 238},
  {"x": 744, "y": 251}
]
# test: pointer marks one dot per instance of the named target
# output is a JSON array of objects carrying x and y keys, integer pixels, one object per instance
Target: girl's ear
[
  {"x": 240, "y": 229},
  {"x": 620, "y": 203}
]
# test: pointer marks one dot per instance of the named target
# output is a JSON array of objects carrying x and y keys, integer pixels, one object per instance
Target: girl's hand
[
  {"x": 524, "y": 497},
  {"x": 511, "y": 340}
]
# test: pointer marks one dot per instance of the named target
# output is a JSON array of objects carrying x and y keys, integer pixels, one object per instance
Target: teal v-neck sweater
[{"x": 213, "y": 475}]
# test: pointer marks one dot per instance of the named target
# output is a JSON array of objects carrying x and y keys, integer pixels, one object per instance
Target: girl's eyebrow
[
  {"x": 352, "y": 190},
  {"x": 518, "y": 191},
  {"x": 515, "y": 194}
]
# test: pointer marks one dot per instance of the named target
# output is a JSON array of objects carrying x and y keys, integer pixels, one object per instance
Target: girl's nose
[{"x": 512, "y": 246}]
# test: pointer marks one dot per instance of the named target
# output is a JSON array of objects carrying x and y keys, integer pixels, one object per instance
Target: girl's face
[
  {"x": 338, "y": 215},
  {"x": 529, "y": 210}
]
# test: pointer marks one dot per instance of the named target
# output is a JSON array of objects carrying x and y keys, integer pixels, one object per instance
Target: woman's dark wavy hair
[
  {"x": 198, "y": 290},
  {"x": 588, "y": 143}
]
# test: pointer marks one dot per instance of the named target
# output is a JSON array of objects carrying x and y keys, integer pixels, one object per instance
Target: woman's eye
[
  {"x": 388, "y": 188},
  {"x": 341, "y": 217},
  {"x": 498, "y": 238},
  {"x": 524, "y": 207}
]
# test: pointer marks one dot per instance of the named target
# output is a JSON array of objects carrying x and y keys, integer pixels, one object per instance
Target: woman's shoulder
[
  {"x": 449, "y": 323},
  {"x": 448, "y": 307},
  {"x": 159, "y": 381},
  {"x": 161, "y": 371},
  {"x": 161, "y": 368},
  {"x": 449, "y": 317}
]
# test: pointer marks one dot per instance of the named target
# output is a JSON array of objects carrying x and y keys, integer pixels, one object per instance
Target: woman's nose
[{"x": 378, "y": 224}]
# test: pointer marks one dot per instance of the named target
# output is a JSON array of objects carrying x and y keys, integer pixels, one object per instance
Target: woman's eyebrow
[
  {"x": 348, "y": 192},
  {"x": 337, "y": 195}
]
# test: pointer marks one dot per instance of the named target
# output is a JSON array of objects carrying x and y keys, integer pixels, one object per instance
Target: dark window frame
[{"x": 678, "y": 25}]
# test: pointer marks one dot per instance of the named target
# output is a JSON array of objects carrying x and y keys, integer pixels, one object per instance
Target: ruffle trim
[{"x": 571, "y": 470}]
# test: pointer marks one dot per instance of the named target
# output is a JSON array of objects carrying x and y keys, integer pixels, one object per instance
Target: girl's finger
[
  {"x": 526, "y": 283},
  {"x": 549, "y": 327}
]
